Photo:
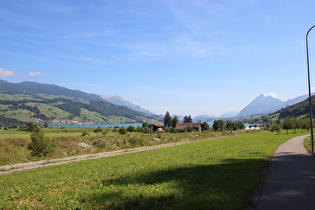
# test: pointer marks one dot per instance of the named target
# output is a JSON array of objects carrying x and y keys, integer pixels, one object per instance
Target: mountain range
[
  {"x": 261, "y": 105},
  {"x": 30, "y": 100},
  {"x": 264, "y": 104},
  {"x": 110, "y": 109}
]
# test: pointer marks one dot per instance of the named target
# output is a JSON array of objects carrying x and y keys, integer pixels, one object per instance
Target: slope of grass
[{"x": 214, "y": 174}]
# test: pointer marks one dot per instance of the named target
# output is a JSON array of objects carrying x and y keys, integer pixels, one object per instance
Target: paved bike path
[{"x": 290, "y": 180}]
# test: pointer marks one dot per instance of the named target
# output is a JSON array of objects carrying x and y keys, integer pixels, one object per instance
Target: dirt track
[{"x": 42, "y": 163}]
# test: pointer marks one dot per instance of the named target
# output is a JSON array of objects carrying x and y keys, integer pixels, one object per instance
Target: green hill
[
  {"x": 299, "y": 110},
  {"x": 28, "y": 101}
]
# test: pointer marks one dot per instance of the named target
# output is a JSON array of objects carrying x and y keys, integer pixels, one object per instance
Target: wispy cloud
[
  {"x": 34, "y": 74},
  {"x": 6, "y": 73},
  {"x": 106, "y": 33},
  {"x": 22, "y": 55}
]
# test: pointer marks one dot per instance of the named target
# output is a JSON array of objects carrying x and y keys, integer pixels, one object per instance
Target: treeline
[
  {"x": 291, "y": 123},
  {"x": 220, "y": 125}
]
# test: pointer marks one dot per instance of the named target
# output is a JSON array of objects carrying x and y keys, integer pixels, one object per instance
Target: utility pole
[{"x": 309, "y": 89}]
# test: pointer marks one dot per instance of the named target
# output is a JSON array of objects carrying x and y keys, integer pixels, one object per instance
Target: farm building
[
  {"x": 195, "y": 126},
  {"x": 156, "y": 127}
]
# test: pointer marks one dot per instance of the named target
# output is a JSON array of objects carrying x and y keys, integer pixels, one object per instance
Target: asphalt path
[{"x": 290, "y": 180}]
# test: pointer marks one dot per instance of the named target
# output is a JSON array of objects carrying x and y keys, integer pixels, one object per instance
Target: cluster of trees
[
  {"x": 171, "y": 121},
  {"x": 220, "y": 125},
  {"x": 291, "y": 123},
  {"x": 144, "y": 129}
]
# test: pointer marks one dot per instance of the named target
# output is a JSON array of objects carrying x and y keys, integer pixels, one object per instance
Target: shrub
[
  {"x": 40, "y": 145},
  {"x": 85, "y": 133},
  {"x": 122, "y": 131},
  {"x": 98, "y": 129},
  {"x": 136, "y": 140},
  {"x": 170, "y": 130},
  {"x": 131, "y": 129},
  {"x": 101, "y": 143},
  {"x": 205, "y": 126}
]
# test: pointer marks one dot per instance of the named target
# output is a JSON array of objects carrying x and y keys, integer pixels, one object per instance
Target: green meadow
[{"x": 219, "y": 173}]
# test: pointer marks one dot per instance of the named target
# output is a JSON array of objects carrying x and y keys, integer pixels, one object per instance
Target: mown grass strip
[{"x": 214, "y": 174}]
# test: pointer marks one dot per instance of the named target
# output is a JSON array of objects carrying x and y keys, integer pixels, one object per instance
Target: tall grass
[
  {"x": 68, "y": 142},
  {"x": 214, "y": 174}
]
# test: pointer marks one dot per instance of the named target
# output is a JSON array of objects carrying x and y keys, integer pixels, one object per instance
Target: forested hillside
[
  {"x": 30, "y": 101},
  {"x": 39, "y": 90},
  {"x": 61, "y": 109},
  {"x": 299, "y": 110}
]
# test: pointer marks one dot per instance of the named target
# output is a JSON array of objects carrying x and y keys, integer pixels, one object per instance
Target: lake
[
  {"x": 97, "y": 125},
  {"x": 115, "y": 125}
]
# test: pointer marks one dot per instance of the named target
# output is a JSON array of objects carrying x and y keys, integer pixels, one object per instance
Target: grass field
[
  {"x": 308, "y": 145},
  {"x": 68, "y": 141},
  {"x": 214, "y": 174}
]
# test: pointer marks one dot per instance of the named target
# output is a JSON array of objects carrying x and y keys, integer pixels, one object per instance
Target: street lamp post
[{"x": 309, "y": 89}]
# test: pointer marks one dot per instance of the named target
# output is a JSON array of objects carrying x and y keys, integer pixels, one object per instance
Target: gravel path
[{"x": 42, "y": 163}]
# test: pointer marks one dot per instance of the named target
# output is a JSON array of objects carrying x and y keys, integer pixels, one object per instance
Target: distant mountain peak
[
  {"x": 125, "y": 102},
  {"x": 267, "y": 103}
]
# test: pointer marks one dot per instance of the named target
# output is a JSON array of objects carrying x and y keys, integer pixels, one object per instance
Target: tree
[
  {"x": 145, "y": 127},
  {"x": 174, "y": 121},
  {"x": 46, "y": 124},
  {"x": 167, "y": 119},
  {"x": 122, "y": 130},
  {"x": 131, "y": 129},
  {"x": 205, "y": 126},
  {"x": 230, "y": 125},
  {"x": 187, "y": 119},
  {"x": 236, "y": 125},
  {"x": 240, "y": 125},
  {"x": 275, "y": 127},
  {"x": 288, "y": 123},
  {"x": 40, "y": 145},
  {"x": 218, "y": 125},
  {"x": 31, "y": 127},
  {"x": 305, "y": 124}
]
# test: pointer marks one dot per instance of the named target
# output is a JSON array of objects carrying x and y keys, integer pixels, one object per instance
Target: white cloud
[
  {"x": 34, "y": 74},
  {"x": 6, "y": 73},
  {"x": 271, "y": 94}
]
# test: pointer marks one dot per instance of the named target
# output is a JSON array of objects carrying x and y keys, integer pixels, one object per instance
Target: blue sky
[{"x": 186, "y": 57}]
